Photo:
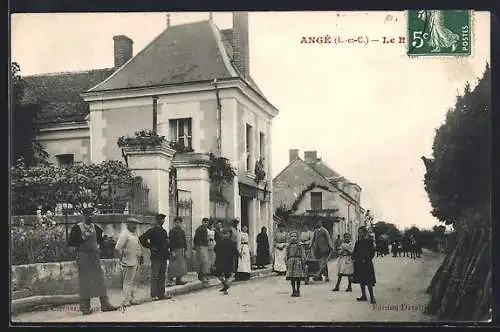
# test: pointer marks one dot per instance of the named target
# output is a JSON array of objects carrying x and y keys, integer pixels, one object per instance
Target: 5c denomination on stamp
[{"x": 439, "y": 32}]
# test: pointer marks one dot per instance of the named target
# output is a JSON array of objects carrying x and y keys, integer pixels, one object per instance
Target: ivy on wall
[
  {"x": 283, "y": 212},
  {"x": 220, "y": 172}
]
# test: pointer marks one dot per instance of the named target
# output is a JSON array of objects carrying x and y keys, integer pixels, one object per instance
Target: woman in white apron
[
  {"x": 280, "y": 243},
  {"x": 244, "y": 261}
]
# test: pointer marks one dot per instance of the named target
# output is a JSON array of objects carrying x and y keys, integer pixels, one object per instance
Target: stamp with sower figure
[{"x": 439, "y": 32}]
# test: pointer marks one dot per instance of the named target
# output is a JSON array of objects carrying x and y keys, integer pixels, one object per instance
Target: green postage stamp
[{"x": 439, "y": 32}]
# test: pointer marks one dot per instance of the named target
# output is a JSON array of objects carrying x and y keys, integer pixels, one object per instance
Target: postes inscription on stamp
[{"x": 439, "y": 32}]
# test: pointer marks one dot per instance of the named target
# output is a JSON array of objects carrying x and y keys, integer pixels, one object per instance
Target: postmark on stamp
[{"x": 439, "y": 32}]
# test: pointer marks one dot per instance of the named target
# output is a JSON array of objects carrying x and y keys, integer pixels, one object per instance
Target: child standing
[
  {"x": 295, "y": 263},
  {"x": 345, "y": 264},
  {"x": 225, "y": 253}
]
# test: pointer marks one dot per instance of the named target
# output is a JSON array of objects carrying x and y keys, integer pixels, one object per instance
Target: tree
[
  {"x": 457, "y": 178},
  {"x": 24, "y": 144},
  {"x": 388, "y": 229}
]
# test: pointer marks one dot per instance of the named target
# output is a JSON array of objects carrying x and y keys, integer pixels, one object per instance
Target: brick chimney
[
  {"x": 311, "y": 157},
  {"x": 293, "y": 154},
  {"x": 123, "y": 50},
  {"x": 241, "y": 49}
]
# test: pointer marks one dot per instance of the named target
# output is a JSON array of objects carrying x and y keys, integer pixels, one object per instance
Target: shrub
[
  {"x": 40, "y": 245},
  {"x": 48, "y": 244}
]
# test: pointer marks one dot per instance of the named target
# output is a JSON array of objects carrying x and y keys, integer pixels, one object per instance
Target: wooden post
[{"x": 155, "y": 115}]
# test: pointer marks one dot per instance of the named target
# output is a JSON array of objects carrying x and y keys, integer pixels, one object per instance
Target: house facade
[
  {"x": 197, "y": 78},
  {"x": 309, "y": 189}
]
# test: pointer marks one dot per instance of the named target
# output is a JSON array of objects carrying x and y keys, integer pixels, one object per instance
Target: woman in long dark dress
[
  {"x": 364, "y": 273},
  {"x": 263, "y": 253}
]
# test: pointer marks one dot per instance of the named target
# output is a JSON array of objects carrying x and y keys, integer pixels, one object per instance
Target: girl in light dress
[
  {"x": 344, "y": 263},
  {"x": 280, "y": 243}
]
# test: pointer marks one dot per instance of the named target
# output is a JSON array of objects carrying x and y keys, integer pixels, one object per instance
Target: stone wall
[{"x": 62, "y": 278}]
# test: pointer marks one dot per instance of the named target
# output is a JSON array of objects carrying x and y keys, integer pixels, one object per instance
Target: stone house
[
  {"x": 309, "y": 189},
  {"x": 197, "y": 78}
]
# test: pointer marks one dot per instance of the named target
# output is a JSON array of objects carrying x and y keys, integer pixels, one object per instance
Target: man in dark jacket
[
  {"x": 87, "y": 238},
  {"x": 156, "y": 240}
]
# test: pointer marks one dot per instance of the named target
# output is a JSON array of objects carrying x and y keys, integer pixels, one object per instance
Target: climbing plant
[
  {"x": 221, "y": 172},
  {"x": 283, "y": 212},
  {"x": 260, "y": 173}
]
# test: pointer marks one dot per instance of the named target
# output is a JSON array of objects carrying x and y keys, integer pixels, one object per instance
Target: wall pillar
[
  {"x": 153, "y": 165},
  {"x": 193, "y": 176}
]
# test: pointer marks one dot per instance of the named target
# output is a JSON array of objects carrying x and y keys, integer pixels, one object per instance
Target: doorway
[{"x": 245, "y": 212}]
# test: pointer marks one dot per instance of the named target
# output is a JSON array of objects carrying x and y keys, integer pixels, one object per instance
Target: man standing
[
  {"x": 322, "y": 248},
  {"x": 178, "y": 247},
  {"x": 200, "y": 242},
  {"x": 156, "y": 240},
  {"x": 87, "y": 237},
  {"x": 129, "y": 250},
  {"x": 236, "y": 237}
]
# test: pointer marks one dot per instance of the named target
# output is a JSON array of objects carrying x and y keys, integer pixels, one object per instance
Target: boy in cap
[{"x": 156, "y": 240}]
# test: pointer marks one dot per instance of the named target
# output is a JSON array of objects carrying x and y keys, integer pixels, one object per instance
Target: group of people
[
  {"x": 295, "y": 252},
  {"x": 406, "y": 247},
  {"x": 165, "y": 246},
  {"x": 225, "y": 252}
]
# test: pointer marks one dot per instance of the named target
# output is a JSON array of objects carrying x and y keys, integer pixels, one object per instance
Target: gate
[{"x": 184, "y": 209}]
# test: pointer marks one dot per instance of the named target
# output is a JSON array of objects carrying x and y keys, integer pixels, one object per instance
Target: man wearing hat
[
  {"x": 87, "y": 238},
  {"x": 129, "y": 250},
  {"x": 200, "y": 243},
  {"x": 156, "y": 240},
  {"x": 178, "y": 248}
]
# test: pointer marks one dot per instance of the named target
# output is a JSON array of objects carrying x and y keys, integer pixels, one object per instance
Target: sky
[{"x": 369, "y": 110}]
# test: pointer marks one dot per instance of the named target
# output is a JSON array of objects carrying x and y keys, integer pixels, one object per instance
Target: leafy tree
[
  {"x": 457, "y": 178},
  {"x": 388, "y": 229},
  {"x": 24, "y": 144}
]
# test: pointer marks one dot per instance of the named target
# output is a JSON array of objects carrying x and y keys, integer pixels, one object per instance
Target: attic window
[
  {"x": 316, "y": 201},
  {"x": 64, "y": 160}
]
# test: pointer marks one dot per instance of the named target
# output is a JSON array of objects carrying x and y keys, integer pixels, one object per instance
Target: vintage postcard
[{"x": 321, "y": 167}]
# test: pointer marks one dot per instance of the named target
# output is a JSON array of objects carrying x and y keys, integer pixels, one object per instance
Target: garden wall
[{"x": 62, "y": 278}]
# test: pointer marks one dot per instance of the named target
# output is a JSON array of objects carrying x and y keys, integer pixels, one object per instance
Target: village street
[{"x": 400, "y": 294}]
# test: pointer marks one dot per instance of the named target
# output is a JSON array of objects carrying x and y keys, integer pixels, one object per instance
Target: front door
[{"x": 245, "y": 213}]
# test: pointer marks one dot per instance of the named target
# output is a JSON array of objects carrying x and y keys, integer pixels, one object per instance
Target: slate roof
[
  {"x": 182, "y": 53},
  {"x": 58, "y": 94},
  {"x": 325, "y": 170}
]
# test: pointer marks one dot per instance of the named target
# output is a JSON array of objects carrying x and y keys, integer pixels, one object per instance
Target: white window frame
[
  {"x": 174, "y": 126},
  {"x": 248, "y": 147}
]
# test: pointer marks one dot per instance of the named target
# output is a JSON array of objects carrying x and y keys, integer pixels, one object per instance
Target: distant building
[{"x": 310, "y": 189}]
